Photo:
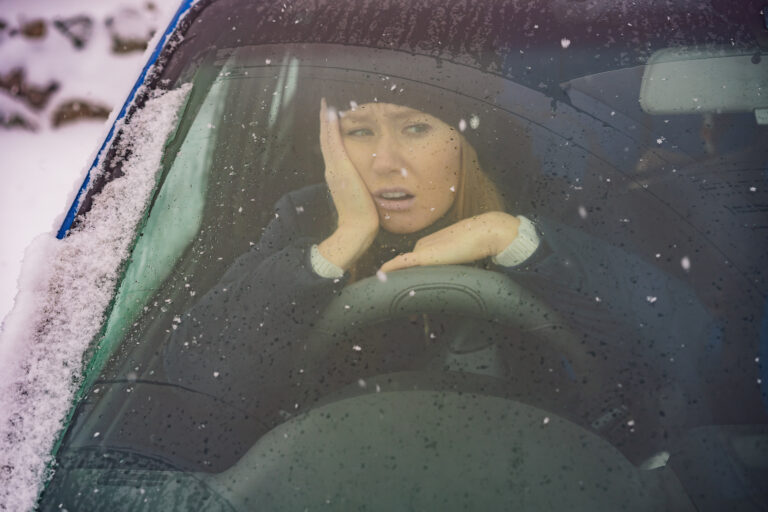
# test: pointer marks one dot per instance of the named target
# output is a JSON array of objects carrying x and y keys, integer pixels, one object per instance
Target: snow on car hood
[{"x": 65, "y": 289}]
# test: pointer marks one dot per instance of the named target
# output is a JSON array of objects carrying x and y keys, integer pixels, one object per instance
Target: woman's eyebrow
[
  {"x": 403, "y": 114},
  {"x": 355, "y": 116}
]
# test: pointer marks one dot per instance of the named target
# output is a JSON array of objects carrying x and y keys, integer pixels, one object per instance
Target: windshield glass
[{"x": 385, "y": 265}]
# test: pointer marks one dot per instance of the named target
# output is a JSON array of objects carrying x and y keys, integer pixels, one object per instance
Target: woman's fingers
[
  {"x": 448, "y": 253},
  {"x": 438, "y": 237},
  {"x": 400, "y": 262},
  {"x": 330, "y": 138},
  {"x": 354, "y": 204}
]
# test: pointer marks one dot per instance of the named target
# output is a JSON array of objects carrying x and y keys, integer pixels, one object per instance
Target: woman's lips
[{"x": 395, "y": 198}]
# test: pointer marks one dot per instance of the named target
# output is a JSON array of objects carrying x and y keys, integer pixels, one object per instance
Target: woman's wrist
[
  {"x": 505, "y": 231},
  {"x": 521, "y": 247}
]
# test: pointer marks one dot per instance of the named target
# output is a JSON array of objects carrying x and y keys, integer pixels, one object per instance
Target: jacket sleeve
[{"x": 243, "y": 341}]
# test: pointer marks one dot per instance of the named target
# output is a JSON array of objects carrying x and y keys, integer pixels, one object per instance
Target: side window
[{"x": 174, "y": 221}]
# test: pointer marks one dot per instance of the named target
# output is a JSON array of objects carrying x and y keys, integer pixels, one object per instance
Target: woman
[
  {"x": 401, "y": 170},
  {"x": 406, "y": 190},
  {"x": 403, "y": 189}
]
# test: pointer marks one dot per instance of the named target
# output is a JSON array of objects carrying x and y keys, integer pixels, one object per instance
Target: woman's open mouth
[{"x": 394, "y": 198}]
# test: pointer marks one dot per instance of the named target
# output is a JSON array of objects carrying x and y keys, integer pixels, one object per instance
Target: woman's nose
[{"x": 387, "y": 156}]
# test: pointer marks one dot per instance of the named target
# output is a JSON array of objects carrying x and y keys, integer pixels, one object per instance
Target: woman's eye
[
  {"x": 417, "y": 128},
  {"x": 360, "y": 132}
]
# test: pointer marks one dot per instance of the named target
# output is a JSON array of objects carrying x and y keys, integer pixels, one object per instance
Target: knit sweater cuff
[
  {"x": 322, "y": 266},
  {"x": 521, "y": 248}
]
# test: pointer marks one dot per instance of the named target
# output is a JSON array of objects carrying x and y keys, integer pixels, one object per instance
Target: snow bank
[{"x": 65, "y": 289}]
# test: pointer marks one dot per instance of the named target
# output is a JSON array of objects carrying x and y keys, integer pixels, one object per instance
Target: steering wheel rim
[
  {"x": 461, "y": 290},
  {"x": 455, "y": 289}
]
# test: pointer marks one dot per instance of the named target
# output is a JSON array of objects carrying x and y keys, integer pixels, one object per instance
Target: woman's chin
[
  {"x": 398, "y": 226},
  {"x": 401, "y": 226},
  {"x": 409, "y": 221}
]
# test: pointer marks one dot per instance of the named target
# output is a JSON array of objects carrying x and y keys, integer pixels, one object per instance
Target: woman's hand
[
  {"x": 358, "y": 218},
  {"x": 466, "y": 241}
]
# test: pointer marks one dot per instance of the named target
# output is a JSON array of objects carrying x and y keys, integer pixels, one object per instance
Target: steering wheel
[
  {"x": 399, "y": 432},
  {"x": 458, "y": 290}
]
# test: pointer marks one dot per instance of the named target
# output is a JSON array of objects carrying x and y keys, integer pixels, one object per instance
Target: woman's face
[{"x": 409, "y": 161}]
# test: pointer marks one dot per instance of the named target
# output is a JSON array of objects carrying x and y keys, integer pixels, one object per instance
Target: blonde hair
[{"x": 476, "y": 194}]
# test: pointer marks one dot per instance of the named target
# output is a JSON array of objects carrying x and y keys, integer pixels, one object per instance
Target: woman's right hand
[{"x": 358, "y": 218}]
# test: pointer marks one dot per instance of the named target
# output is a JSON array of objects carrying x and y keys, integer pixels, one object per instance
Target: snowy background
[{"x": 65, "y": 65}]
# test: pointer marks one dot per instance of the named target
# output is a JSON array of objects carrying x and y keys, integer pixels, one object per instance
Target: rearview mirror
[{"x": 706, "y": 80}]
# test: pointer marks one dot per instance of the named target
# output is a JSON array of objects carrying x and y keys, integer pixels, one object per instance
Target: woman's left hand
[{"x": 466, "y": 241}]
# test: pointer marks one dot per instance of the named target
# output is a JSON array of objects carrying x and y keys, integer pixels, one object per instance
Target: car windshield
[{"x": 480, "y": 269}]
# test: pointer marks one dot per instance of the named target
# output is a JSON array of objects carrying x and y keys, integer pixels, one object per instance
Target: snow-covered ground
[{"x": 42, "y": 169}]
